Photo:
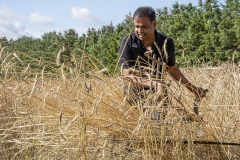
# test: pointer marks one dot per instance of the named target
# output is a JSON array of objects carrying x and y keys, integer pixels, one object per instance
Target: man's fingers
[
  {"x": 201, "y": 94},
  {"x": 205, "y": 90}
]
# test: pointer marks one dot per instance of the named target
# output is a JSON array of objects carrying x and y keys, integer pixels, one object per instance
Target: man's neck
[{"x": 148, "y": 43}]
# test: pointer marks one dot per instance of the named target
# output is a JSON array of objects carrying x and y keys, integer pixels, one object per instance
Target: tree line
[{"x": 208, "y": 32}]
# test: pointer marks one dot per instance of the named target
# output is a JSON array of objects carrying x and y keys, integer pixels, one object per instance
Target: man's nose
[{"x": 140, "y": 29}]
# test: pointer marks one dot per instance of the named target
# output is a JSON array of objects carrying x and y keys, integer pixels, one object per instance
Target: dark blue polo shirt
[{"x": 134, "y": 50}]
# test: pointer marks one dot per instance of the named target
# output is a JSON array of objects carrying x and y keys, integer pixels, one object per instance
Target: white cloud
[
  {"x": 40, "y": 19},
  {"x": 11, "y": 24},
  {"x": 83, "y": 14}
]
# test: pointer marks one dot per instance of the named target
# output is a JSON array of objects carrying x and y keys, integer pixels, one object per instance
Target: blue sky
[{"x": 34, "y": 17}]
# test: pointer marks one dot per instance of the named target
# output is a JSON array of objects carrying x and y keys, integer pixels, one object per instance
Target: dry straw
[{"x": 83, "y": 114}]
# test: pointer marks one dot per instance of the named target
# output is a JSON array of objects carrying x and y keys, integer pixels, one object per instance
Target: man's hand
[
  {"x": 200, "y": 93},
  {"x": 156, "y": 86}
]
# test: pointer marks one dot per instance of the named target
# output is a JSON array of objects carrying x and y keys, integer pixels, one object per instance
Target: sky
[{"x": 33, "y": 18}]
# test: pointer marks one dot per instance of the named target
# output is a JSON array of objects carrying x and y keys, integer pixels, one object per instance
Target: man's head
[
  {"x": 145, "y": 23},
  {"x": 145, "y": 12}
]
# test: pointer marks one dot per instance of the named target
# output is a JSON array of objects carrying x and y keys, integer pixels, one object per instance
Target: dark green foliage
[
  {"x": 208, "y": 32},
  {"x": 4, "y": 42}
]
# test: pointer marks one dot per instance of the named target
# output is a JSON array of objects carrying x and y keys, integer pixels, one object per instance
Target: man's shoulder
[
  {"x": 161, "y": 34},
  {"x": 130, "y": 38},
  {"x": 161, "y": 37},
  {"x": 131, "y": 35}
]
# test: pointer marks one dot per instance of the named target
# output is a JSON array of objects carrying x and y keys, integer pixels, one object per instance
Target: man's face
[{"x": 144, "y": 28}]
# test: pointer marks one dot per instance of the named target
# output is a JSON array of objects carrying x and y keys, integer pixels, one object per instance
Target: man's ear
[{"x": 154, "y": 23}]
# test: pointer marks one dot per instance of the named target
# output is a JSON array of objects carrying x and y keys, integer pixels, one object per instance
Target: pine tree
[{"x": 230, "y": 30}]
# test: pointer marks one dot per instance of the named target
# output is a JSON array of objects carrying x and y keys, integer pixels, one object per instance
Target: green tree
[
  {"x": 163, "y": 20},
  {"x": 210, "y": 40},
  {"x": 229, "y": 30}
]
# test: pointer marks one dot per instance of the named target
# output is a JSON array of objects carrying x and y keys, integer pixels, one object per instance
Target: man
[{"x": 147, "y": 49}]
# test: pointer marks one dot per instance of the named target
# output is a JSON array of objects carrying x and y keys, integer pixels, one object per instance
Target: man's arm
[
  {"x": 139, "y": 82},
  {"x": 177, "y": 75}
]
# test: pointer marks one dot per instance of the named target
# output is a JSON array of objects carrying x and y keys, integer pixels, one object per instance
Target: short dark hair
[{"x": 145, "y": 12}]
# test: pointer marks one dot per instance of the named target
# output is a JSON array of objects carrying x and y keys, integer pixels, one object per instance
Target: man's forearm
[
  {"x": 139, "y": 81},
  {"x": 177, "y": 75}
]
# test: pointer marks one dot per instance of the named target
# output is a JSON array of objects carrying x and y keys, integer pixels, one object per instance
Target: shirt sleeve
[
  {"x": 171, "y": 52},
  {"x": 126, "y": 55}
]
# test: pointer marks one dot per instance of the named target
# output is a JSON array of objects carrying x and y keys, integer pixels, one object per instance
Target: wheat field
[{"x": 80, "y": 112}]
